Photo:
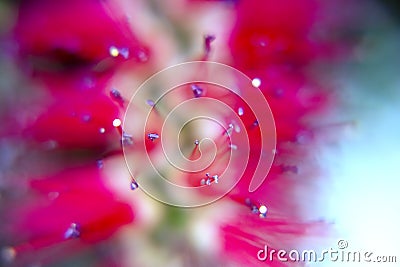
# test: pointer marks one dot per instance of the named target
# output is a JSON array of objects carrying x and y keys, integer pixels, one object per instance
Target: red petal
[
  {"x": 80, "y": 197},
  {"x": 77, "y": 120},
  {"x": 73, "y": 33}
]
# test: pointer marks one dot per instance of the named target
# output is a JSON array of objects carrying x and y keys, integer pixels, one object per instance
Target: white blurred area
[{"x": 364, "y": 201}]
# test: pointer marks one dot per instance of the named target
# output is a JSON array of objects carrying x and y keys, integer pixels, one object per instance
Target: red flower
[{"x": 73, "y": 49}]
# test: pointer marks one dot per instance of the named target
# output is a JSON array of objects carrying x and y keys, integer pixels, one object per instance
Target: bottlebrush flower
[{"x": 80, "y": 206}]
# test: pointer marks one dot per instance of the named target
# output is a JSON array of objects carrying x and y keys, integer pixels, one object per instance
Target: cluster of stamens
[
  {"x": 153, "y": 136},
  {"x": 209, "y": 179},
  {"x": 261, "y": 210}
]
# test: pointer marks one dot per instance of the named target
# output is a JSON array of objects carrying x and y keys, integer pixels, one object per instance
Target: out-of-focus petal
[
  {"x": 72, "y": 206},
  {"x": 58, "y": 36}
]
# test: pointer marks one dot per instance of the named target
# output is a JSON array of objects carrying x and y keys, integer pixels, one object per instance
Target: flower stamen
[
  {"x": 150, "y": 102},
  {"x": 153, "y": 136},
  {"x": 126, "y": 139},
  {"x": 240, "y": 111},
  {"x": 197, "y": 91},
  {"x": 116, "y": 95},
  {"x": 72, "y": 231},
  {"x": 134, "y": 185},
  {"x": 261, "y": 210},
  {"x": 115, "y": 52},
  {"x": 209, "y": 180},
  {"x": 256, "y": 82},
  {"x": 208, "y": 39}
]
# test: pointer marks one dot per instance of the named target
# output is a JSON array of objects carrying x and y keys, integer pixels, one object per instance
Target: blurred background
[{"x": 364, "y": 198}]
